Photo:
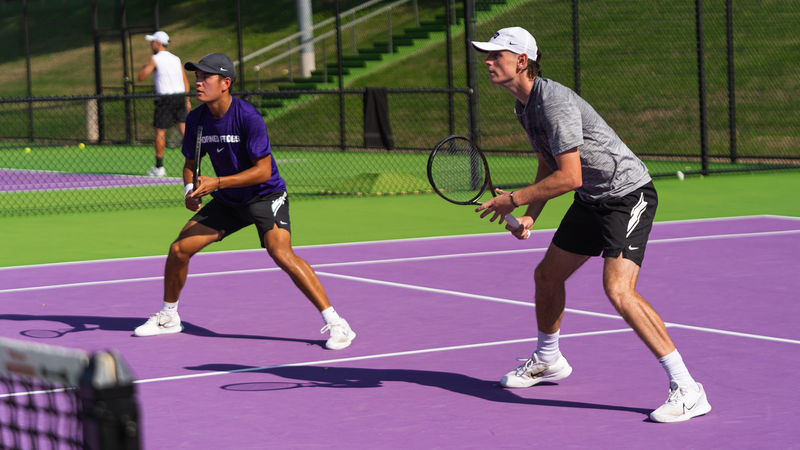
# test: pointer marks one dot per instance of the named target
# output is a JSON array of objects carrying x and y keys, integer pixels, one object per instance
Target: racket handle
[{"x": 511, "y": 220}]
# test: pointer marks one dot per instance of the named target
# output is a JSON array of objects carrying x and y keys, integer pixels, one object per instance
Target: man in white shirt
[{"x": 169, "y": 78}]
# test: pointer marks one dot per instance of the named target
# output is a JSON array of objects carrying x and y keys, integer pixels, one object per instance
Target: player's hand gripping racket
[{"x": 459, "y": 173}]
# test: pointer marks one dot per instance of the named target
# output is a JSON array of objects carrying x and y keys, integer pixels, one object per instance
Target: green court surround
[{"x": 119, "y": 234}]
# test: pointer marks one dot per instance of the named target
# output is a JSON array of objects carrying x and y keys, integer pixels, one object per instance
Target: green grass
[{"x": 118, "y": 234}]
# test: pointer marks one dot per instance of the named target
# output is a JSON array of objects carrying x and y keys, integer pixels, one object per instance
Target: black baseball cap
[{"x": 216, "y": 63}]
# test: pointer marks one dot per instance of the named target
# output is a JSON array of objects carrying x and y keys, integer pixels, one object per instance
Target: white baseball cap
[
  {"x": 159, "y": 36},
  {"x": 514, "y": 39}
]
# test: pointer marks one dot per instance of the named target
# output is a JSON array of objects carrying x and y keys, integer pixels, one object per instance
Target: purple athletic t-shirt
[{"x": 233, "y": 142}]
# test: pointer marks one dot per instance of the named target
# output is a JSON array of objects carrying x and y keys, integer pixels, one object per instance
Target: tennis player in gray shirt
[{"x": 611, "y": 215}]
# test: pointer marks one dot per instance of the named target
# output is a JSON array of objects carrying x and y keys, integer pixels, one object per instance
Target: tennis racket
[
  {"x": 459, "y": 173},
  {"x": 198, "y": 154}
]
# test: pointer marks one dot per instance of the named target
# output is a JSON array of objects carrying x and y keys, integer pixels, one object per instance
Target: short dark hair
[{"x": 534, "y": 69}]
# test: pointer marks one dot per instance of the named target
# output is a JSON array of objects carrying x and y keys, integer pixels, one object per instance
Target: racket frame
[
  {"x": 487, "y": 179},
  {"x": 198, "y": 154}
]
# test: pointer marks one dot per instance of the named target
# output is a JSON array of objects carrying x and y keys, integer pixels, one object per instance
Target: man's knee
[
  {"x": 619, "y": 292},
  {"x": 180, "y": 252},
  {"x": 281, "y": 254},
  {"x": 191, "y": 240}
]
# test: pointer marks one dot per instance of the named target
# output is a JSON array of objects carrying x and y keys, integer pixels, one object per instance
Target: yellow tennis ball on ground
[
  {"x": 81, "y": 145},
  {"x": 27, "y": 149}
]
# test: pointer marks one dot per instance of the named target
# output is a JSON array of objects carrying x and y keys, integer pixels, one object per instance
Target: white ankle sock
[
  {"x": 547, "y": 347},
  {"x": 330, "y": 315},
  {"x": 170, "y": 308},
  {"x": 677, "y": 371}
]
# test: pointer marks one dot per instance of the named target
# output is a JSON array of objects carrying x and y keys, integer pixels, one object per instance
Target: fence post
[
  {"x": 731, "y": 86},
  {"x": 123, "y": 26},
  {"x": 305, "y": 26},
  {"x": 576, "y": 47},
  {"x": 240, "y": 74},
  {"x": 472, "y": 84},
  {"x": 26, "y": 42},
  {"x": 98, "y": 77},
  {"x": 451, "y": 122},
  {"x": 156, "y": 27},
  {"x": 92, "y": 132},
  {"x": 701, "y": 78},
  {"x": 342, "y": 123}
]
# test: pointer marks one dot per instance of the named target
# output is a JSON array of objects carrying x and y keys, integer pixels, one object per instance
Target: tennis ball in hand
[
  {"x": 81, "y": 146},
  {"x": 27, "y": 149}
]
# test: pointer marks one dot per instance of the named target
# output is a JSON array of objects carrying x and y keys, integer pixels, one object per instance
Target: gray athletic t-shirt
[{"x": 556, "y": 119}]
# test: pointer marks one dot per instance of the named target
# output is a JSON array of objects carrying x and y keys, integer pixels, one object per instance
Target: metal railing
[{"x": 348, "y": 26}]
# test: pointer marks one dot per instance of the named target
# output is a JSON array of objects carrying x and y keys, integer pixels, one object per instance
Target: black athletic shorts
[
  {"x": 264, "y": 211},
  {"x": 619, "y": 225},
  {"x": 169, "y": 111}
]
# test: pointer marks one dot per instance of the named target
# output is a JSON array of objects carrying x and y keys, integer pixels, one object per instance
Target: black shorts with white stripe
[
  {"x": 614, "y": 226},
  {"x": 265, "y": 211}
]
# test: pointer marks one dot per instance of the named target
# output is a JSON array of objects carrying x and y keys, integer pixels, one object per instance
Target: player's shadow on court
[
  {"x": 355, "y": 378},
  {"x": 79, "y": 324}
]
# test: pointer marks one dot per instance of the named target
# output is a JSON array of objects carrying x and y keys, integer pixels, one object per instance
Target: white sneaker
[
  {"x": 341, "y": 334},
  {"x": 160, "y": 323},
  {"x": 157, "y": 172},
  {"x": 535, "y": 371},
  {"x": 683, "y": 404}
]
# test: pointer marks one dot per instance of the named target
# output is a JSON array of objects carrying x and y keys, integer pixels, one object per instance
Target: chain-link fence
[{"x": 76, "y": 126}]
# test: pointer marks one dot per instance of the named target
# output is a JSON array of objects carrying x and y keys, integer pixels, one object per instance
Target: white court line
[
  {"x": 346, "y": 244},
  {"x": 391, "y": 260},
  {"x": 271, "y": 269},
  {"x": 377, "y": 356},
  {"x": 569, "y": 310},
  {"x": 339, "y": 360},
  {"x": 406, "y": 353}
]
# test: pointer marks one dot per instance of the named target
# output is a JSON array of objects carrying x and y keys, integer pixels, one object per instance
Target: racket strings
[{"x": 458, "y": 171}]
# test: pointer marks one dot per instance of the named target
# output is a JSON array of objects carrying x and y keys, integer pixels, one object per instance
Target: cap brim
[
  {"x": 486, "y": 47},
  {"x": 191, "y": 67},
  {"x": 155, "y": 39}
]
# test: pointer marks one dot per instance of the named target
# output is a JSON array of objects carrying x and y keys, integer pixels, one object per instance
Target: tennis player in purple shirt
[{"x": 248, "y": 189}]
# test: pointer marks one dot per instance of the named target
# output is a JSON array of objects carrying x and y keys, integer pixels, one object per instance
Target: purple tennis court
[
  {"x": 14, "y": 180},
  {"x": 439, "y": 321}
]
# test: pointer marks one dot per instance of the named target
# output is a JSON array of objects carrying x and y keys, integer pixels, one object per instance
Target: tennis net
[{"x": 59, "y": 398}]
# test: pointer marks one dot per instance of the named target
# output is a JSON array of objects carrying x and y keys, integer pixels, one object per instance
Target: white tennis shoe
[
  {"x": 341, "y": 334},
  {"x": 157, "y": 172},
  {"x": 534, "y": 371},
  {"x": 683, "y": 404},
  {"x": 160, "y": 323}
]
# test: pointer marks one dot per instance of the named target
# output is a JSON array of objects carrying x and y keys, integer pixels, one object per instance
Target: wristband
[
  {"x": 511, "y": 195},
  {"x": 187, "y": 188}
]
